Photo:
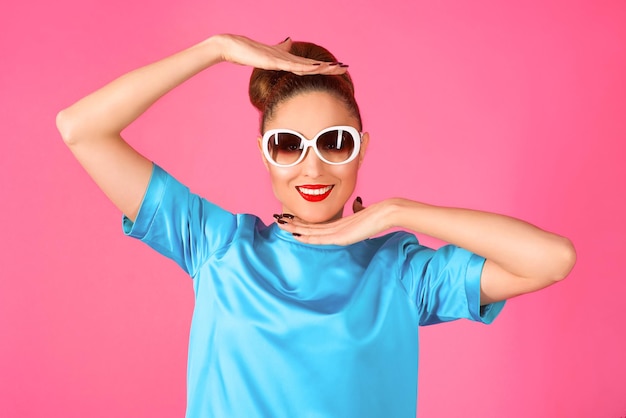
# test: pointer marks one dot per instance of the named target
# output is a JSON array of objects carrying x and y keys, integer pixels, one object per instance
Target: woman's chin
[{"x": 317, "y": 217}]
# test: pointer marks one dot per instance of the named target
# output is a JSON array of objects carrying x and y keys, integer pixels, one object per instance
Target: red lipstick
[{"x": 314, "y": 192}]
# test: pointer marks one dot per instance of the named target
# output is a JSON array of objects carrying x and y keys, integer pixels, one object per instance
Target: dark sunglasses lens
[
  {"x": 284, "y": 148},
  {"x": 336, "y": 146}
]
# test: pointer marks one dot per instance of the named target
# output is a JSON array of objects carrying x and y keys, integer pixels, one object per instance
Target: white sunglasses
[{"x": 334, "y": 145}]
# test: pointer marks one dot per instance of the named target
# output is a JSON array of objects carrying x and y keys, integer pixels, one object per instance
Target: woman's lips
[{"x": 314, "y": 192}]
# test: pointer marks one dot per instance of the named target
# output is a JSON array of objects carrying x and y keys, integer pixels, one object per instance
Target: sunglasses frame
[{"x": 312, "y": 143}]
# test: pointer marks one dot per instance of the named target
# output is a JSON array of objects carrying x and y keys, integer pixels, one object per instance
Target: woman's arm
[
  {"x": 92, "y": 127},
  {"x": 521, "y": 258}
]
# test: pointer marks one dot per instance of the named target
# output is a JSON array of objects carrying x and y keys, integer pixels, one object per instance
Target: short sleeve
[
  {"x": 445, "y": 284},
  {"x": 179, "y": 224}
]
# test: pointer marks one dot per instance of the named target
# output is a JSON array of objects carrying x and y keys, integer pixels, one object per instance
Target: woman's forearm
[
  {"x": 107, "y": 111},
  {"x": 516, "y": 246},
  {"x": 92, "y": 126}
]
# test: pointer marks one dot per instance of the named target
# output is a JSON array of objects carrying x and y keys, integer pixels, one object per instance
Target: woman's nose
[{"x": 312, "y": 166}]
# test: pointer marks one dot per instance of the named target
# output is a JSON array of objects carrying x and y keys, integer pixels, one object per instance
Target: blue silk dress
[{"x": 283, "y": 329}]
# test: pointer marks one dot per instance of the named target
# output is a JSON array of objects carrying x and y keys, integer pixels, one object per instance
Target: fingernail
[
  {"x": 287, "y": 215},
  {"x": 343, "y": 65},
  {"x": 295, "y": 234},
  {"x": 277, "y": 216},
  {"x": 358, "y": 199},
  {"x": 317, "y": 63},
  {"x": 280, "y": 221},
  {"x": 286, "y": 39},
  {"x": 333, "y": 63}
]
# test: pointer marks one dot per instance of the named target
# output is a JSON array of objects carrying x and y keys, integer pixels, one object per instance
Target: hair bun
[
  {"x": 263, "y": 81},
  {"x": 268, "y": 87},
  {"x": 261, "y": 86}
]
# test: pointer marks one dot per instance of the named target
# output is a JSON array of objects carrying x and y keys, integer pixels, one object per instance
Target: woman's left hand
[{"x": 366, "y": 222}]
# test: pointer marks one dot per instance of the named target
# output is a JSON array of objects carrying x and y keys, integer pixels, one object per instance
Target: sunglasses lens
[
  {"x": 284, "y": 148},
  {"x": 336, "y": 146}
]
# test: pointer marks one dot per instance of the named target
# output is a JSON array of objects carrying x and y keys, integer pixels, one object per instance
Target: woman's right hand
[{"x": 244, "y": 51}]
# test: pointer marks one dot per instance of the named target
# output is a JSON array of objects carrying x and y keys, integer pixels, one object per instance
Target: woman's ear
[
  {"x": 365, "y": 140},
  {"x": 259, "y": 142}
]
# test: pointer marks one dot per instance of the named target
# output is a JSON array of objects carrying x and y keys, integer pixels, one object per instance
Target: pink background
[{"x": 514, "y": 108}]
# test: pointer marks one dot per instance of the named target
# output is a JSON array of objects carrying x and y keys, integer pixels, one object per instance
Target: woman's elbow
[
  {"x": 564, "y": 260},
  {"x": 65, "y": 127}
]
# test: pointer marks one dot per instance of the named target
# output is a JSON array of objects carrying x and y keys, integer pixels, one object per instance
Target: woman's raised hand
[{"x": 244, "y": 51}]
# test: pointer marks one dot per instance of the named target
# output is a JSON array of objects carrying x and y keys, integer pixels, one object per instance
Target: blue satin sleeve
[
  {"x": 445, "y": 284},
  {"x": 179, "y": 224}
]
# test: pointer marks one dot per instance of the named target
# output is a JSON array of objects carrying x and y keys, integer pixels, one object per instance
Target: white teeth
[{"x": 315, "y": 192}]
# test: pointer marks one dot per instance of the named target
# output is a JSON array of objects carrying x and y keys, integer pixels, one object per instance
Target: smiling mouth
[{"x": 314, "y": 193}]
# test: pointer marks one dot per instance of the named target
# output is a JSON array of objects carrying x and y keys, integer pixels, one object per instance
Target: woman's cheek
[{"x": 280, "y": 179}]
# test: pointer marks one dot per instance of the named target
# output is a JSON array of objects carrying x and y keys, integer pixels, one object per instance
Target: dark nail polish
[
  {"x": 343, "y": 65},
  {"x": 317, "y": 63},
  {"x": 280, "y": 221},
  {"x": 358, "y": 199},
  {"x": 333, "y": 63},
  {"x": 277, "y": 216},
  {"x": 287, "y": 215},
  {"x": 295, "y": 234},
  {"x": 286, "y": 39}
]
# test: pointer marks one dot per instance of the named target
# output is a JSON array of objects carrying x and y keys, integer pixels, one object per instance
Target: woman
[{"x": 310, "y": 316}]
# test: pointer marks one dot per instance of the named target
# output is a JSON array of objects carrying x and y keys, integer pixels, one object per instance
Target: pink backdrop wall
[{"x": 518, "y": 109}]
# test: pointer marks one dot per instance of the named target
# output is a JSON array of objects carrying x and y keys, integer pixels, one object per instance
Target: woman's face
[{"x": 309, "y": 113}]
